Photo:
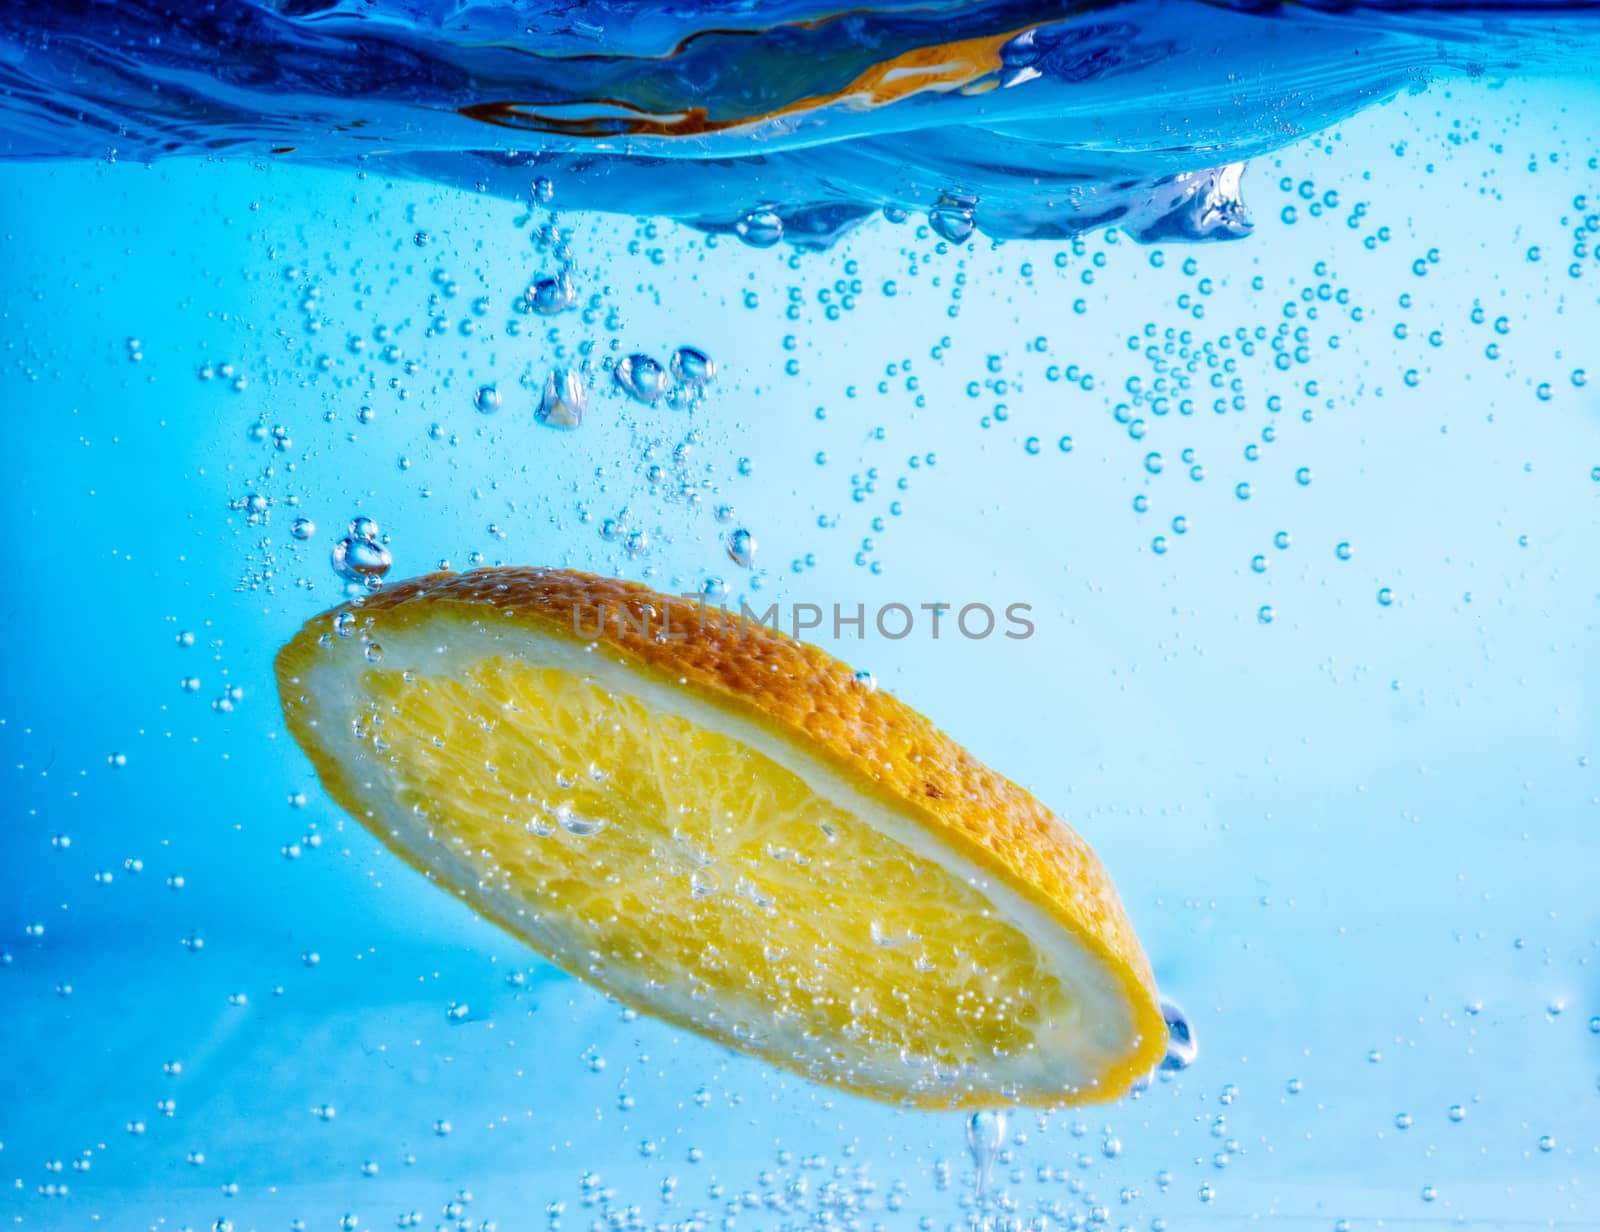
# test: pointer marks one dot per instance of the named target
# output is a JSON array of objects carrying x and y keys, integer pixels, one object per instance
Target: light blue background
[{"x": 1335, "y": 832}]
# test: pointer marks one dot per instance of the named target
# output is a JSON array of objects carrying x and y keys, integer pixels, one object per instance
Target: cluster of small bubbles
[
  {"x": 224, "y": 703},
  {"x": 254, "y": 506}
]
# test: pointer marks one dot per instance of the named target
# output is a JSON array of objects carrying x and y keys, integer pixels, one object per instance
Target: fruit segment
[{"x": 726, "y": 828}]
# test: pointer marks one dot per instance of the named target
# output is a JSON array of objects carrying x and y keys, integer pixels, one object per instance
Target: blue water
[
  {"x": 784, "y": 120},
  {"x": 1308, "y": 522}
]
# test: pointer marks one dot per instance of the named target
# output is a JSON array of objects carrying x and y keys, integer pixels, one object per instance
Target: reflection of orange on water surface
[{"x": 968, "y": 66}]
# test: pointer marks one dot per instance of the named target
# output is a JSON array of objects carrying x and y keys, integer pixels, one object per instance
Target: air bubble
[
  {"x": 360, "y": 560},
  {"x": 692, "y": 366},
  {"x": 549, "y": 296},
  {"x": 759, "y": 228},
  {"x": 564, "y": 400},
  {"x": 1182, "y": 1047},
  {"x": 742, "y": 548},
  {"x": 986, "y": 1132},
  {"x": 953, "y": 219},
  {"x": 641, "y": 378}
]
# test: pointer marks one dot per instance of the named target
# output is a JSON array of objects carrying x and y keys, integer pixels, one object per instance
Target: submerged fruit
[{"x": 723, "y": 826}]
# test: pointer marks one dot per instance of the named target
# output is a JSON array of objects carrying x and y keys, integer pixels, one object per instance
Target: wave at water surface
[{"x": 786, "y": 121}]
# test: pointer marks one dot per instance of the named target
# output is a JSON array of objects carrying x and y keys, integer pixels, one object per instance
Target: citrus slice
[{"x": 730, "y": 829}]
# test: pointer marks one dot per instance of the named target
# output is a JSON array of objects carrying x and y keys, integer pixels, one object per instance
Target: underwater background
[{"x": 1309, "y": 521}]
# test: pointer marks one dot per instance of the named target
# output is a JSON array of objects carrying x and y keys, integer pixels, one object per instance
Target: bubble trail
[{"x": 986, "y": 1133}]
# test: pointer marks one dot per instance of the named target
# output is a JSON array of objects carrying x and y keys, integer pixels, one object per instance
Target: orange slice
[{"x": 725, "y": 827}]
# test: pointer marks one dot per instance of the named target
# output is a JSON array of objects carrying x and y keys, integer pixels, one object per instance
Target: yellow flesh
[{"x": 693, "y": 875}]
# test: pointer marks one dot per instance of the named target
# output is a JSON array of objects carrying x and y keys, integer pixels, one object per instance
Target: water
[{"x": 1305, "y": 524}]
